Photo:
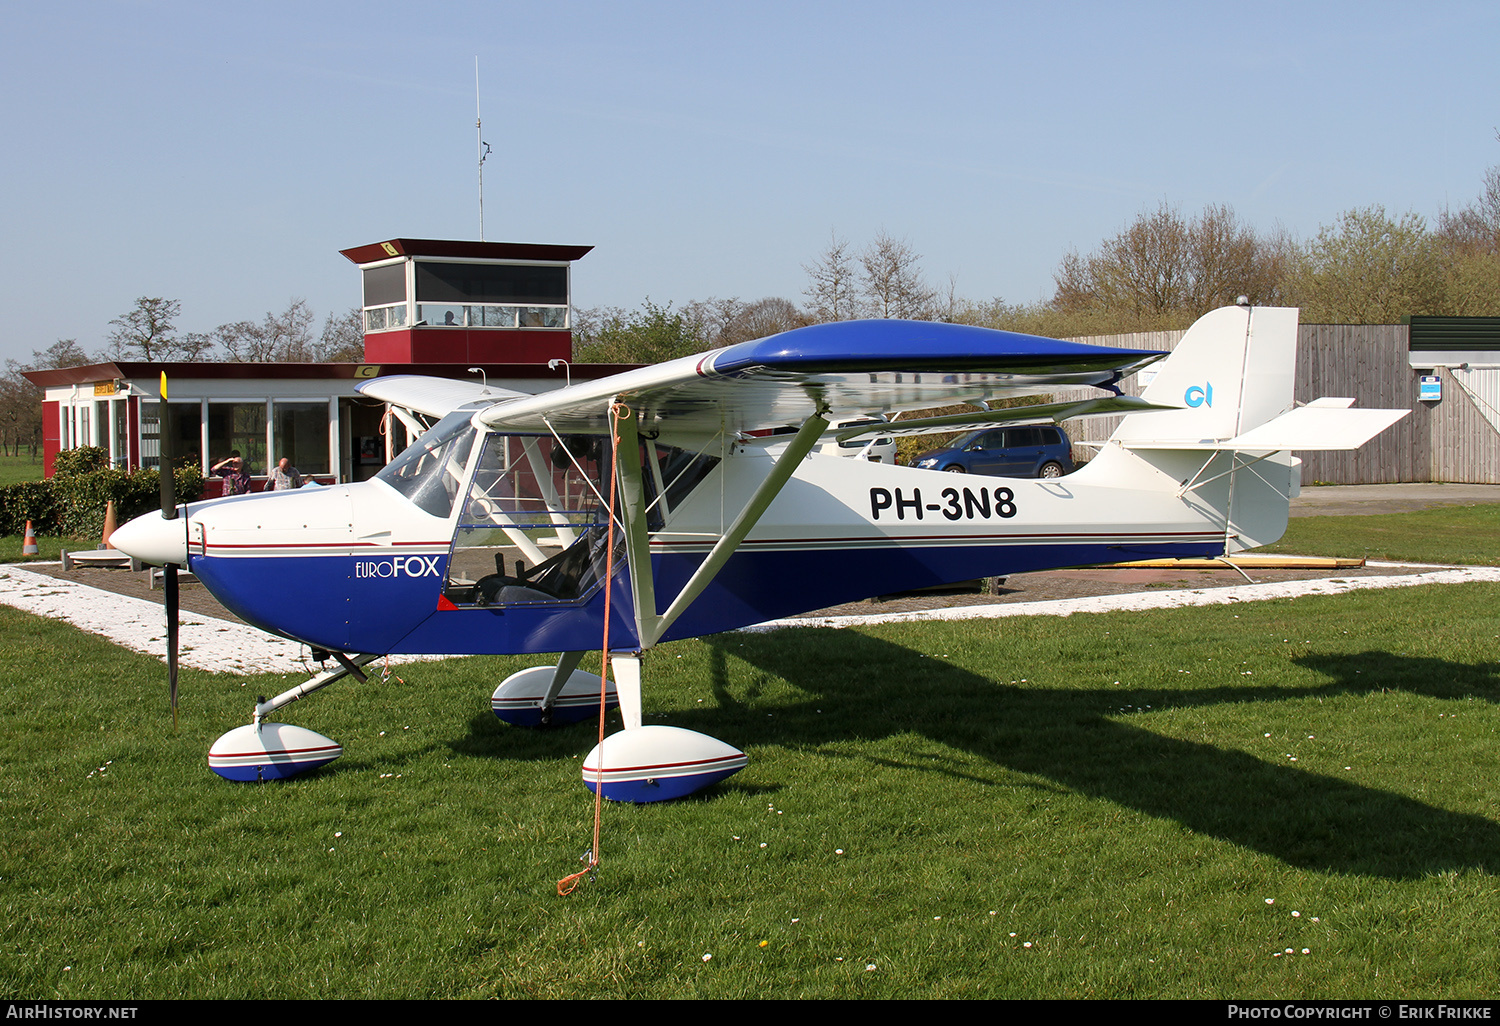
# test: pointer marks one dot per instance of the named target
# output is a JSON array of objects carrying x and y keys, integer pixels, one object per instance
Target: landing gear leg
[
  {"x": 566, "y": 664},
  {"x": 627, "y": 667}
]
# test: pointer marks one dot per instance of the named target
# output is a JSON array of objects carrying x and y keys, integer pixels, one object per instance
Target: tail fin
[
  {"x": 1228, "y": 447},
  {"x": 1231, "y": 372}
]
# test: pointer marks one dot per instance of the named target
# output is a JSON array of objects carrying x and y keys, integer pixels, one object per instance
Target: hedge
[{"x": 72, "y": 502}]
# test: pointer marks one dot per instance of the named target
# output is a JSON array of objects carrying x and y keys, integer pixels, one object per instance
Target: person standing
[
  {"x": 235, "y": 473},
  {"x": 285, "y": 476}
]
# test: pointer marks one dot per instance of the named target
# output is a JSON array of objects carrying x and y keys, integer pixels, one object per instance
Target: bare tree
[
  {"x": 892, "y": 280},
  {"x": 280, "y": 338},
  {"x": 21, "y": 401},
  {"x": 1476, "y": 228},
  {"x": 833, "y": 286},
  {"x": 196, "y": 346},
  {"x": 20, "y": 411},
  {"x": 1142, "y": 270},
  {"x": 769, "y": 316},
  {"x": 65, "y": 352},
  {"x": 1163, "y": 269},
  {"x": 725, "y": 322},
  {"x": 343, "y": 338},
  {"x": 145, "y": 331},
  {"x": 716, "y": 320},
  {"x": 1226, "y": 259},
  {"x": 950, "y": 307}
]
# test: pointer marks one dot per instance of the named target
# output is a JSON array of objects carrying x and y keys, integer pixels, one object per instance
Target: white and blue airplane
[{"x": 692, "y": 497}]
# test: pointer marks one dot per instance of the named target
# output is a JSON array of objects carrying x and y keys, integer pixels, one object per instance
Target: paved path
[
  {"x": 1345, "y": 500},
  {"x": 204, "y": 642}
]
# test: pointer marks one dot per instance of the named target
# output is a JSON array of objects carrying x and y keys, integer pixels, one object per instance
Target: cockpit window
[
  {"x": 533, "y": 527},
  {"x": 431, "y": 470}
]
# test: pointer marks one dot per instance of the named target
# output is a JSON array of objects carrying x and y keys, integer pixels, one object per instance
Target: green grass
[
  {"x": 16, "y": 469},
  {"x": 1120, "y": 792},
  {"x": 1466, "y": 535},
  {"x": 47, "y": 548}
]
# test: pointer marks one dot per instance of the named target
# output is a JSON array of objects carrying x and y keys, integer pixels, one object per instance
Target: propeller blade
[
  {"x": 164, "y": 464},
  {"x": 169, "y": 572},
  {"x": 169, "y": 576}
]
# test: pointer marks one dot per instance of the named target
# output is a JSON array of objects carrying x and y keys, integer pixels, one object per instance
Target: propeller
[{"x": 169, "y": 570}]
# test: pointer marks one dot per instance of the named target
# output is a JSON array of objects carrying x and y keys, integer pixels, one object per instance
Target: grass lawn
[
  {"x": 1282, "y": 799},
  {"x": 1467, "y": 535},
  {"x": 15, "y": 469},
  {"x": 1118, "y": 805}
]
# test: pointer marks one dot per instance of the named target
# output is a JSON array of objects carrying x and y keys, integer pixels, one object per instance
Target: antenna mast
[{"x": 484, "y": 147}]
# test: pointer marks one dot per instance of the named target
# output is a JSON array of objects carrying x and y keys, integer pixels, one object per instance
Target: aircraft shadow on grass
[{"x": 872, "y": 688}]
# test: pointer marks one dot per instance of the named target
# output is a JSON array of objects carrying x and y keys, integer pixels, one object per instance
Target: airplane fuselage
[{"x": 361, "y": 568}]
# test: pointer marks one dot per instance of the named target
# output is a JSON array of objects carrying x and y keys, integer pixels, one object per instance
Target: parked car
[
  {"x": 1031, "y": 450},
  {"x": 881, "y": 450}
]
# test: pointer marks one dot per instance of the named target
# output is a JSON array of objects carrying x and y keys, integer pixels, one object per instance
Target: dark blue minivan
[{"x": 1031, "y": 450}]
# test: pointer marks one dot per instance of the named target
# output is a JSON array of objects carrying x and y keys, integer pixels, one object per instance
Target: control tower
[{"x": 442, "y": 301}]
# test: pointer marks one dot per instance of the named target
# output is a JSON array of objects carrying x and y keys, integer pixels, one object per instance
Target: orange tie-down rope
[{"x": 617, "y": 412}]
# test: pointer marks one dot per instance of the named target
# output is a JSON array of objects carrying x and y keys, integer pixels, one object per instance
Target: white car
[{"x": 875, "y": 448}]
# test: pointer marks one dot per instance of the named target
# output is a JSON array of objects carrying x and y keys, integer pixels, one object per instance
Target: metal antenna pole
[{"x": 479, "y": 135}]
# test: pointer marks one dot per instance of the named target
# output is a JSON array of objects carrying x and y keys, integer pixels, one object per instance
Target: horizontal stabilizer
[{"x": 1322, "y": 425}]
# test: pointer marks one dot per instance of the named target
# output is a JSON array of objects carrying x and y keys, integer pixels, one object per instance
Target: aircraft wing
[
  {"x": 435, "y": 397},
  {"x": 845, "y": 368}
]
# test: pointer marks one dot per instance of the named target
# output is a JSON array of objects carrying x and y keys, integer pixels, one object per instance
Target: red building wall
[
  {"x": 468, "y": 345},
  {"x": 51, "y": 435}
]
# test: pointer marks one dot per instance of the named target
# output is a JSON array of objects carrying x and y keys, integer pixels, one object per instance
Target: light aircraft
[{"x": 502, "y": 529}]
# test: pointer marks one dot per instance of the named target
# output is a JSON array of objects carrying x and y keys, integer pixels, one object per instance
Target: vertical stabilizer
[{"x": 1231, "y": 372}]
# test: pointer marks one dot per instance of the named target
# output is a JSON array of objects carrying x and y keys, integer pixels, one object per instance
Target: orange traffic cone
[
  {"x": 28, "y": 545},
  {"x": 109, "y": 522}
]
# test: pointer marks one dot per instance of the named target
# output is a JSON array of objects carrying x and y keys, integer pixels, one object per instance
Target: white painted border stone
[
  {"x": 204, "y": 642},
  {"x": 1155, "y": 599}
]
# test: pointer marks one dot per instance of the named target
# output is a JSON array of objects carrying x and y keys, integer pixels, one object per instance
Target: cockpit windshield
[{"x": 430, "y": 471}]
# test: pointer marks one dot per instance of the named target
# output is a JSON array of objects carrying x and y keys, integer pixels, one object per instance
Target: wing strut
[{"x": 650, "y": 625}]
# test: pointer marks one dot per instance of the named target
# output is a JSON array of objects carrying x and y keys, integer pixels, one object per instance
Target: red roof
[
  {"x": 141, "y": 371},
  {"x": 377, "y": 251}
]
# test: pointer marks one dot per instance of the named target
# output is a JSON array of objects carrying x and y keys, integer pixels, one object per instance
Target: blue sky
[{"x": 223, "y": 155}]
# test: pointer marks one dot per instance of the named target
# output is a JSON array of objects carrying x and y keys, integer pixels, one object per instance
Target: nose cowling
[{"x": 152, "y": 538}]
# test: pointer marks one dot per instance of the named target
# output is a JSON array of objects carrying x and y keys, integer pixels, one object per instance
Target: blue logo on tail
[{"x": 1199, "y": 395}]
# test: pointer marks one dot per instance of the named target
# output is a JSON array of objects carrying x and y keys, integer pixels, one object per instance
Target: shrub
[
  {"x": 83, "y": 460},
  {"x": 29, "y": 500},
  {"x": 73, "y": 501}
]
